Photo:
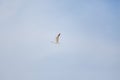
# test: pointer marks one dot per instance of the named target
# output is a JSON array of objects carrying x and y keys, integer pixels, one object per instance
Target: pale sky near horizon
[{"x": 89, "y": 46}]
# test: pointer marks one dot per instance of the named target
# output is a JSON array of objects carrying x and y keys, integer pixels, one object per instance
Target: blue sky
[{"x": 89, "y": 46}]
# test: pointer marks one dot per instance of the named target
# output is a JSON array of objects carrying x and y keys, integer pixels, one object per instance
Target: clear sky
[{"x": 89, "y": 46}]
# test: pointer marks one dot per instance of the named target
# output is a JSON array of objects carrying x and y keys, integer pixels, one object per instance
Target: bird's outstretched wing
[{"x": 57, "y": 38}]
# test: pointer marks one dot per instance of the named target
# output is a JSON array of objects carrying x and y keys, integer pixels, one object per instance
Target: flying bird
[{"x": 57, "y": 39}]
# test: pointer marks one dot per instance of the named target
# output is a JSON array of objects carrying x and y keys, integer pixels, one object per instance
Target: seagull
[{"x": 57, "y": 39}]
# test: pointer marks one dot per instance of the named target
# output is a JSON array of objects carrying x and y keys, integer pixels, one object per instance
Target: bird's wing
[{"x": 57, "y": 38}]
